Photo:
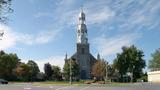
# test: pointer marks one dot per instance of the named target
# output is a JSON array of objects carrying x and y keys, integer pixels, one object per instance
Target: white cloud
[
  {"x": 43, "y": 14},
  {"x": 99, "y": 16},
  {"x": 11, "y": 38},
  {"x": 8, "y": 40},
  {"x": 32, "y": 1},
  {"x": 135, "y": 15},
  {"x": 46, "y": 36},
  {"x": 66, "y": 13},
  {"x": 110, "y": 46},
  {"x": 126, "y": 15}
]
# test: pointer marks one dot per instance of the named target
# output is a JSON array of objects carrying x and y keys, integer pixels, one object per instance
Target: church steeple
[
  {"x": 82, "y": 29},
  {"x": 83, "y": 57},
  {"x": 66, "y": 57},
  {"x": 98, "y": 57}
]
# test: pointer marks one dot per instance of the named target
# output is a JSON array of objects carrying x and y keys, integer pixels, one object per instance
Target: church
[{"x": 83, "y": 56}]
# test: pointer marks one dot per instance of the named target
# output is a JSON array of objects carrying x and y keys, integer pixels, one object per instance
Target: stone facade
[{"x": 85, "y": 60}]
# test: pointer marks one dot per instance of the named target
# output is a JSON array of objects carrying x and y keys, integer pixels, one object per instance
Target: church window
[
  {"x": 78, "y": 31},
  {"x": 85, "y": 31}
]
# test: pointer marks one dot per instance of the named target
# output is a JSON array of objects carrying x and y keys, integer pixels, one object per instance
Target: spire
[
  {"x": 81, "y": 17},
  {"x": 98, "y": 57},
  {"x": 66, "y": 57},
  {"x": 82, "y": 29}
]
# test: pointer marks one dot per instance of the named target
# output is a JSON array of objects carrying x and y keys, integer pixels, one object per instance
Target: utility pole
[
  {"x": 106, "y": 71},
  {"x": 70, "y": 72},
  {"x": 132, "y": 74}
]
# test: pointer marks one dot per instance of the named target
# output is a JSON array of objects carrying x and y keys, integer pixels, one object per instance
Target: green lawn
[
  {"x": 73, "y": 83},
  {"x": 58, "y": 82},
  {"x": 118, "y": 84}
]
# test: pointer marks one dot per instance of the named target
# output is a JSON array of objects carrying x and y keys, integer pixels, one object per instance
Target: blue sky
[{"x": 44, "y": 30}]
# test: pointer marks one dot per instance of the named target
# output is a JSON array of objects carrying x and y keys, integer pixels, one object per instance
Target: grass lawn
[
  {"x": 118, "y": 84},
  {"x": 57, "y": 83},
  {"x": 74, "y": 83}
]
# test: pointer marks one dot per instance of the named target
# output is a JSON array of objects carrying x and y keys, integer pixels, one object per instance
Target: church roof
[{"x": 92, "y": 58}]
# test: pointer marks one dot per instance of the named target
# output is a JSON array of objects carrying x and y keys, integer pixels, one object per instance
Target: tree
[
  {"x": 33, "y": 70},
  {"x": 5, "y": 8},
  {"x": 28, "y": 71},
  {"x": 74, "y": 69},
  {"x": 40, "y": 76},
  {"x": 22, "y": 71},
  {"x": 48, "y": 71},
  {"x": 99, "y": 69},
  {"x": 121, "y": 65},
  {"x": 130, "y": 60},
  {"x": 57, "y": 75},
  {"x": 154, "y": 63},
  {"x": 8, "y": 63},
  {"x": 111, "y": 73}
]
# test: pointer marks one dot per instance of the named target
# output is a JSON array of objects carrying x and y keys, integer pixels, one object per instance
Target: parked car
[{"x": 2, "y": 81}]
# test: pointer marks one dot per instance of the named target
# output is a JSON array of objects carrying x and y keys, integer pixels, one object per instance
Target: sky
[{"x": 45, "y": 30}]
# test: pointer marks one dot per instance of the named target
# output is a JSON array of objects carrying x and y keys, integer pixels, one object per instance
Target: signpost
[
  {"x": 106, "y": 71},
  {"x": 70, "y": 71}
]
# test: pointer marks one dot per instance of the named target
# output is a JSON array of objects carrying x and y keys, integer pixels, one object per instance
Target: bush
[
  {"x": 87, "y": 81},
  {"x": 101, "y": 82},
  {"x": 144, "y": 78}
]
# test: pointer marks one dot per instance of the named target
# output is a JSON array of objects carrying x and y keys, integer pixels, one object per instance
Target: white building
[{"x": 154, "y": 76}]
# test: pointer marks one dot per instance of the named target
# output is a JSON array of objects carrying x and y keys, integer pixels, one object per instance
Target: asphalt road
[{"x": 136, "y": 86}]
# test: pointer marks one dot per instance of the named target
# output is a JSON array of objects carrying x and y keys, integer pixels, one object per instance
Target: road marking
[
  {"x": 37, "y": 86},
  {"x": 62, "y": 88},
  {"x": 85, "y": 87},
  {"x": 51, "y": 87},
  {"x": 27, "y": 88}
]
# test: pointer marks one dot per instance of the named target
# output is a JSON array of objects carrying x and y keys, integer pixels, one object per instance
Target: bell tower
[
  {"x": 83, "y": 56},
  {"x": 82, "y": 29},
  {"x": 83, "y": 53}
]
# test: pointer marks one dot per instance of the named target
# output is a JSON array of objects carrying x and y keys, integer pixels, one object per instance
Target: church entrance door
[{"x": 83, "y": 74}]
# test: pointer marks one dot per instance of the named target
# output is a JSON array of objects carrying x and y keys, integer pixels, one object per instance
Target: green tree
[
  {"x": 5, "y": 8},
  {"x": 33, "y": 70},
  {"x": 154, "y": 63},
  {"x": 120, "y": 64},
  {"x": 22, "y": 72},
  {"x": 48, "y": 71},
  {"x": 74, "y": 69},
  {"x": 57, "y": 75},
  {"x": 40, "y": 76},
  {"x": 111, "y": 72},
  {"x": 8, "y": 63},
  {"x": 130, "y": 60}
]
